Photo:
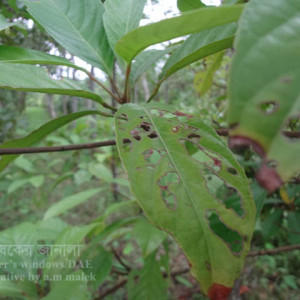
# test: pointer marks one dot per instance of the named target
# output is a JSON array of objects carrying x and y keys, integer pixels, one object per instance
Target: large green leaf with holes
[
  {"x": 77, "y": 26},
  {"x": 189, "y": 184},
  {"x": 264, "y": 88},
  {"x": 191, "y": 22}
]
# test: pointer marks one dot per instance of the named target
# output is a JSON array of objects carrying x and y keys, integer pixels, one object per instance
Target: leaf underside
[
  {"x": 188, "y": 184},
  {"x": 77, "y": 26},
  {"x": 264, "y": 86}
]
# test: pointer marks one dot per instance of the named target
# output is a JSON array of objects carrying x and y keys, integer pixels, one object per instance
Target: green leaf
[
  {"x": 101, "y": 265},
  {"x": 4, "y": 24},
  {"x": 120, "y": 17},
  {"x": 189, "y": 184},
  {"x": 186, "y": 5},
  {"x": 151, "y": 285},
  {"x": 25, "y": 164},
  {"x": 16, "y": 184},
  {"x": 37, "y": 181},
  {"x": 293, "y": 227},
  {"x": 139, "y": 39},
  {"x": 69, "y": 203},
  {"x": 22, "y": 77},
  {"x": 27, "y": 56},
  {"x": 70, "y": 289},
  {"x": 264, "y": 86},
  {"x": 203, "y": 80},
  {"x": 199, "y": 45},
  {"x": 148, "y": 237},
  {"x": 38, "y": 135},
  {"x": 8, "y": 288},
  {"x": 77, "y": 26}
]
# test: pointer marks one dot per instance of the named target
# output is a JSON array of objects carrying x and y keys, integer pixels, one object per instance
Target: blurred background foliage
[{"x": 120, "y": 241}]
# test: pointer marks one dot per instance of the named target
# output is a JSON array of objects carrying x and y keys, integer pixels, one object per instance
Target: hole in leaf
[
  {"x": 232, "y": 238},
  {"x": 152, "y": 156},
  {"x": 227, "y": 195},
  {"x": 291, "y": 129},
  {"x": 202, "y": 155},
  {"x": 164, "y": 183},
  {"x": 169, "y": 199},
  {"x": 269, "y": 107},
  {"x": 232, "y": 171},
  {"x": 272, "y": 164}
]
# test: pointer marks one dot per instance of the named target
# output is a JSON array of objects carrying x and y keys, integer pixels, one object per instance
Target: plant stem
[
  {"x": 126, "y": 96},
  {"x": 91, "y": 76},
  {"x": 30, "y": 150}
]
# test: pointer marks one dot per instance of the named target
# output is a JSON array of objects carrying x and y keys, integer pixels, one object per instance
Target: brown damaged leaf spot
[
  {"x": 219, "y": 292},
  {"x": 269, "y": 107},
  {"x": 230, "y": 237},
  {"x": 268, "y": 178}
]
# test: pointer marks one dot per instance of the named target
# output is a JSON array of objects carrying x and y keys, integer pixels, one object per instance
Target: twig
[
  {"x": 30, "y": 150},
  {"x": 13, "y": 151},
  {"x": 274, "y": 251},
  {"x": 91, "y": 76},
  {"x": 120, "y": 260},
  {"x": 112, "y": 289}
]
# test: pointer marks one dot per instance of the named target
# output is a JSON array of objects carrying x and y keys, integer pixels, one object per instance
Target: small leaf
[
  {"x": 38, "y": 135},
  {"x": 150, "y": 284},
  {"x": 139, "y": 39},
  {"x": 189, "y": 184},
  {"x": 77, "y": 26},
  {"x": 264, "y": 86},
  {"x": 203, "y": 80},
  {"x": 69, "y": 203},
  {"x": 186, "y": 5},
  {"x": 148, "y": 237}
]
